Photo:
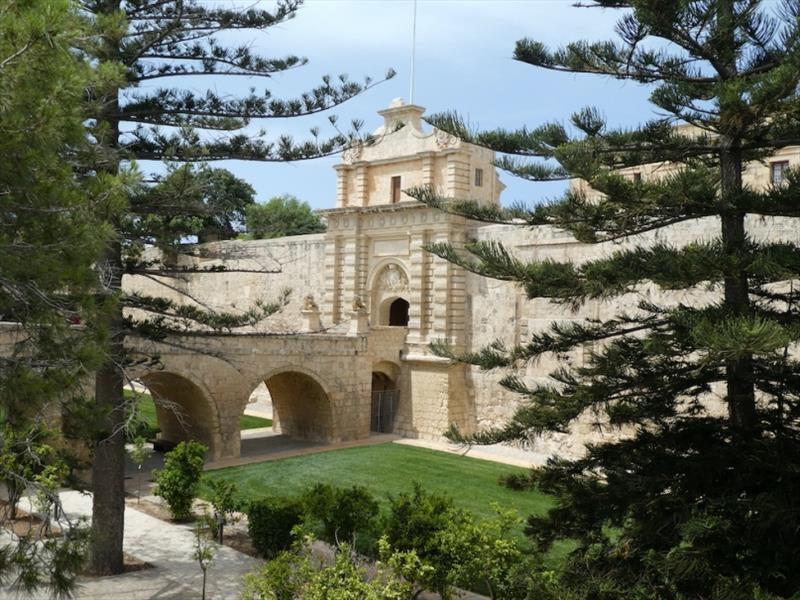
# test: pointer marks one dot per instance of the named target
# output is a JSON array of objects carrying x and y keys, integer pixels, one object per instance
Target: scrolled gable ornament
[
  {"x": 353, "y": 152},
  {"x": 444, "y": 139}
]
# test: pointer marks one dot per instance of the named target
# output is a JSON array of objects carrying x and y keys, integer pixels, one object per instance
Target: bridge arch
[
  {"x": 184, "y": 409},
  {"x": 301, "y": 402}
]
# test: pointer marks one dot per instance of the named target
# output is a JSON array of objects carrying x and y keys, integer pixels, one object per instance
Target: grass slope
[{"x": 390, "y": 469}]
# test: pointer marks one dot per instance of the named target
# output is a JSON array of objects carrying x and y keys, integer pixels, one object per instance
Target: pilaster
[
  {"x": 362, "y": 186},
  {"x": 457, "y": 178}
]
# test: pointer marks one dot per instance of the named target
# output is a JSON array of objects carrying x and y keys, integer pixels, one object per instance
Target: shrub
[
  {"x": 519, "y": 481},
  {"x": 343, "y": 512},
  {"x": 177, "y": 483},
  {"x": 417, "y": 524},
  {"x": 270, "y": 524},
  {"x": 297, "y": 575}
]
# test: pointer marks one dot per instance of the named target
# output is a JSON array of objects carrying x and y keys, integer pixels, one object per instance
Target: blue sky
[{"x": 464, "y": 63}]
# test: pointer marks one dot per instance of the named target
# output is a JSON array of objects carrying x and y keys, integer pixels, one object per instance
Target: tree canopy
[
  {"x": 281, "y": 216},
  {"x": 695, "y": 504},
  {"x": 213, "y": 203}
]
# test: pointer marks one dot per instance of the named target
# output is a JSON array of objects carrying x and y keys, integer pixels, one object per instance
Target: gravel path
[{"x": 166, "y": 546}]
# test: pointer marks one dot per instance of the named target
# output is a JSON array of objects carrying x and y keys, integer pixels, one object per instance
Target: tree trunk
[
  {"x": 739, "y": 371},
  {"x": 108, "y": 466}
]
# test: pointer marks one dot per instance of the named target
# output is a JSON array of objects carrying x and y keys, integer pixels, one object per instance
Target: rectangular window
[
  {"x": 637, "y": 177},
  {"x": 395, "y": 189},
  {"x": 478, "y": 177},
  {"x": 777, "y": 171}
]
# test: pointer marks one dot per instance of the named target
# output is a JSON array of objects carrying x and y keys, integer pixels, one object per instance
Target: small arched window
[{"x": 398, "y": 313}]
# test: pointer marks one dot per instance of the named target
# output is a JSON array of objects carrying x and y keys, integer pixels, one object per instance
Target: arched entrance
[
  {"x": 384, "y": 403},
  {"x": 183, "y": 411},
  {"x": 301, "y": 406}
]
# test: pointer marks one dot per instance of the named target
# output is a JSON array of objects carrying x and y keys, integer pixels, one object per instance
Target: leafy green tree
[
  {"x": 344, "y": 512},
  {"x": 175, "y": 43},
  {"x": 179, "y": 481},
  {"x": 695, "y": 504},
  {"x": 212, "y": 204},
  {"x": 49, "y": 240},
  {"x": 225, "y": 503},
  {"x": 415, "y": 525},
  {"x": 282, "y": 216}
]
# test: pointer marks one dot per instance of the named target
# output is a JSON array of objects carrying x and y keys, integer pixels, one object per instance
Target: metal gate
[{"x": 384, "y": 404}]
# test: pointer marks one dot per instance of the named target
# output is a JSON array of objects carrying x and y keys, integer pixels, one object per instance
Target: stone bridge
[{"x": 320, "y": 384}]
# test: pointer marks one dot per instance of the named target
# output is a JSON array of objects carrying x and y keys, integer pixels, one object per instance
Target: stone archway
[
  {"x": 389, "y": 295},
  {"x": 301, "y": 405},
  {"x": 183, "y": 410}
]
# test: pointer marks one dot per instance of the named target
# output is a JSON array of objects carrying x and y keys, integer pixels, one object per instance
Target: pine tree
[
  {"x": 694, "y": 504},
  {"x": 175, "y": 41},
  {"x": 49, "y": 240}
]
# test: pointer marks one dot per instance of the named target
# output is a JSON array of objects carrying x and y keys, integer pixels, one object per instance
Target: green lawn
[
  {"x": 390, "y": 469},
  {"x": 149, "y": 427}
]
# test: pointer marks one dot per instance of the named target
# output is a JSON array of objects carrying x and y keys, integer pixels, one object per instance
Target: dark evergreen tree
[
  {"x": 49, "y": 240},
  {"x": 694, "y": 505},
  {"x": 175, "y": 41}
]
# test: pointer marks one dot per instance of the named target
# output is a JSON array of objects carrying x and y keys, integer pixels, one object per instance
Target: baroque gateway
[{"x": 351, "y": 355}]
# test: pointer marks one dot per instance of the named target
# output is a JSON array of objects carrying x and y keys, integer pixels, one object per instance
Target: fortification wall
[
  {"x": 501, "y": 311},
  {"x": 297, "y": 263}
]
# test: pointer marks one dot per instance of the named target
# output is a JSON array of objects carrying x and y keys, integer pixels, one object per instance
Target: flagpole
[{"x": 413, "y": 51}]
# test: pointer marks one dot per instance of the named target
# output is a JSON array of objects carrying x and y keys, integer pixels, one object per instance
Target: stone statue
[
  {"x": 309, "y": 304},
  {"x": 358, "y": 304}
]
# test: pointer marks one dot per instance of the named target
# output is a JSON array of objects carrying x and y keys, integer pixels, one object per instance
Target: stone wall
[
  {"x": 500, "y": 311},
  {"x": 250, "y": 277}
]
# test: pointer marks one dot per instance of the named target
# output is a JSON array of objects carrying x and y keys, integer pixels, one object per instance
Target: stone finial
[
  {"x": 399, "y": 114},
  {"x": 310, "y": 314}
]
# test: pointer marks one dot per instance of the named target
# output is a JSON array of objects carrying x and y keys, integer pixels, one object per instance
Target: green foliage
[
  {"x": 178, "y": 482},
  {"x": 343, "y": 512},
  {"x": 225, "y": 501},
  {"x": 282, "y": 216},
  {"x": 293, "y": 576},
  {"x": 696, "y": 503},
  {"x": 415, "y": 523},
  {"x": 270, "y": 522},
  {"x": 345, "y": 580},
  {"x": 282, "y": 578},
  {"x": 203, "y": 201},
  {"x": 50, "y": 235},
  {"x": 439, "y": 547}
]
